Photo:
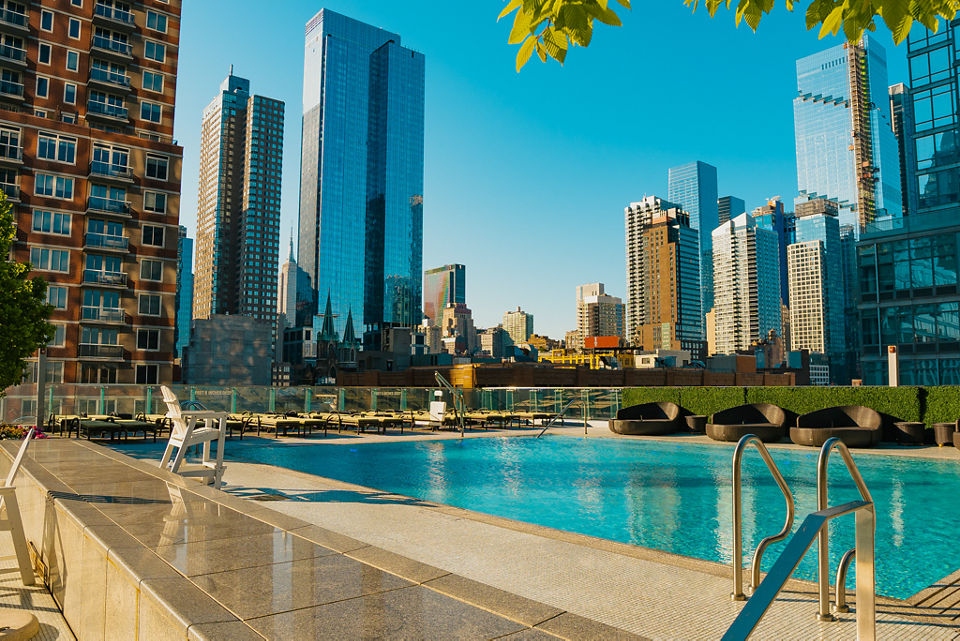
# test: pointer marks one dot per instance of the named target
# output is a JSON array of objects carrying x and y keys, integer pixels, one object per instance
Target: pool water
[{"x": 669, "y": 496}]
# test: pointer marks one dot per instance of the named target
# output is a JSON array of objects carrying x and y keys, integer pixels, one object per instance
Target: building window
[
  {"x": 69, "y": 93},
  {"x": 73, "y": 60},
  {"x": 156, "y": 21},
  {"x": 151, "y": 270},
  {"x": 153, "y": 81},
  {"x": 153, "y": 235},
  {"x": 57, "y": 296},
  {"x": 76, "y": 3},
  {"x": 149, "y": 305},
  {"x": 157, "y": 167},
  {"x": 56, "y": 147},
  {"x": 151, "y": 111},
  {"x": 51, "y": 222},
  {"x": 59, "y": 336},
  {"x": 154, "y": 51},
  {"x": 148, "y": 339},
  {"x": 69, "y": 118},
  {"x": 74, "y": 29},
  {"x": 50, "y": 260},
  {"x": 10, "y": 143},
  {"x": 155, "y": 201},
  {"x": 46, "y": 20},
  {"x": 148, "y": 374},
  {"x": 43, "y": 86},
  {"x": 53, "y": 186},
  {"x": 43, "y": 54}
]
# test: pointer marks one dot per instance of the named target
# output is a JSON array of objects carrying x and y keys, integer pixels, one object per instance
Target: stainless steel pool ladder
[
  {"x": 457, "y": 395},
  {"x": 559, "y": 415},
  {"x": 814, "y": 526}
]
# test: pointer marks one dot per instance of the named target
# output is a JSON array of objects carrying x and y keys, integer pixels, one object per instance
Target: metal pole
[
  {"x": 866, "y": 525},
  {"x": 823, "y": 540}
]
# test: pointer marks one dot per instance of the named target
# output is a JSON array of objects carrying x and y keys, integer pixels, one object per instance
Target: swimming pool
[{"x": 669, "y": 496}]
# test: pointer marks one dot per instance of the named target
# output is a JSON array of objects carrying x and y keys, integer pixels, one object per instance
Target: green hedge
[
  {"x": 942, "y": 404},
  {"x": 927, "y": 404},
  {"x": 708, "y": 400}
]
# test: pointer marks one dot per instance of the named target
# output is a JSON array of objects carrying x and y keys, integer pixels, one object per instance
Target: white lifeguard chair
[
  {"x": 10, "y": 520},
  {"x": 186, "y": 431}
]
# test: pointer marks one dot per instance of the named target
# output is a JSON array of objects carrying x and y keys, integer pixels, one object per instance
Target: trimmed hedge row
[{"x": 926, "y": 404}]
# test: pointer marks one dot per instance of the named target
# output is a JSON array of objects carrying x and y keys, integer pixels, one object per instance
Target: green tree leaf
[{"x": 526, "y": 50}]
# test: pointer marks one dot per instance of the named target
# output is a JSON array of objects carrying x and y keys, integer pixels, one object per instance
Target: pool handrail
[
  {"x": 737, "y": 594},
  {"x": 457, "y": 399},
  {"x": 560, "y": 414}
]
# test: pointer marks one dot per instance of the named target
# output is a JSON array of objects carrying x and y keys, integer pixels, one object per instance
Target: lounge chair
[
  {"x": 766, "y": 421},
  {"x": 648, "y": 419},
  {"x": 855, "y": 425}
]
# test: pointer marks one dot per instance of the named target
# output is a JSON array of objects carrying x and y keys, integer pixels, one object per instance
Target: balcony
[
  {"x": 108, "y": 352},
  {"x": 10, "y": 90},
  {"x": 108, "y": 171},
  {"x": 104, "y": 111},
  {"x": 12, "y": 191},
  {"x": 15, "y": 22},
  {"x": 11, "y": 154},
  {"x": 13, "y": 55},
  {"x": 106, "y": 242},
  {"x": 102, "y": 315},
  {"x": 107, "y": 279},
  {"x": 111, "y": 17},
  {"x": 98, "y": 205},
  {"x": 111, "y": 48},
  {"x": 109, "y": 79}
]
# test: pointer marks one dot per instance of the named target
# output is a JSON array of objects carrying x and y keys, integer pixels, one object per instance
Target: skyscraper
[
  {"x": 901, "y": 111},
  {"x": 293, "y": 289},
  {"x": 599, "y": 313},
  {"x": 663, "y": 277},
  {"x": 518, "y": 324},
  {"x": 184, "y": 298},
  {"x": 693, "y": 188},
  {"x": 361, "y": 176},
  {"x": 729, "y": 207},
  {"x": 443, "y": 286},
  {"x": 771, "y": 216},
  {"x": 88, "y": 161},
  {"x": 746, "y": 283},
  {"x": 238, "y": 217},
  {"x": 846, "y": 150}
]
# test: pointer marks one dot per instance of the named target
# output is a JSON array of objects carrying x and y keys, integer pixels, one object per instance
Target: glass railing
[
  {"x": 104, "y": 278},
  {"x": 106, "y": 204},
  {"x": 13, "y": 53},
  {"x": 100, "y": 351},
  {"x": 112, "y": 77},
  {"x": 105, "y": 109},
  {"x": 593, "y": 404},
  {"x": 113, "y": 171},
  {"x": 103, "y": 314},
  {"x": 115, "y": 46},
  {"x": 114, "y": 14},
  {"x": 12, "y": 17},
  {"x": 106, "y": 241},
  {"x": 11, "y": 88},
  {"x": 11, "y": 152}
]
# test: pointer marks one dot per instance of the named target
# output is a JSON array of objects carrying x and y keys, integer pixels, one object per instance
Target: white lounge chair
[
  {"x": 10, "y": 520},
  {"x": 186, "y": 431}
]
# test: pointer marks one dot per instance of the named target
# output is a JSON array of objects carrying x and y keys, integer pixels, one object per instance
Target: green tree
[
  {"x": 23, "y": 309},
  {"x": 550, "y": 27}
]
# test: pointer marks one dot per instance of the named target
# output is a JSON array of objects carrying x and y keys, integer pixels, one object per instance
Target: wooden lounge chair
[{"x": 190, "y": 428}]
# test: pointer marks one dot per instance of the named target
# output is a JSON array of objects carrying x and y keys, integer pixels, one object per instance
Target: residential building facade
[
  {"x": 361, "y": 175},
  {"x": 238, "y": 216},
  {"x": 518, "y": 324},
  {"x": 599, "y": 313},
  {"x": 443, "y": 286},
  {"x": 88, "y": 161}
]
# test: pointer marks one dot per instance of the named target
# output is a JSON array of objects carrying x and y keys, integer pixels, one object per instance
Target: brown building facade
[{"x": 88, "y": 161}]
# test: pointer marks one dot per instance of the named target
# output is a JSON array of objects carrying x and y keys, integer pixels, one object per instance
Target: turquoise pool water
[{"x": 668, "y": 496}]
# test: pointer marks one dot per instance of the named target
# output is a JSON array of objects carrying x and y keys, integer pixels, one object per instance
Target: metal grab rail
[
  {"x": 823, "y": 551},
  {"x": 559, "y": 415},
  {"x": 737, "y": 594},
  {"x": 457, "y": 399}
]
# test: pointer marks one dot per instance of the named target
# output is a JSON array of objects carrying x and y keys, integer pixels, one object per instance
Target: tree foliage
[
  {"x": 550, "y": 27},
  {"x": 23, "y": 308}
]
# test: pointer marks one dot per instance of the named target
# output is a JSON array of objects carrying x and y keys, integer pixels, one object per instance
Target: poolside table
[
  {"x": 943, "y": 432},
  {"x": 909, "y": 432}
]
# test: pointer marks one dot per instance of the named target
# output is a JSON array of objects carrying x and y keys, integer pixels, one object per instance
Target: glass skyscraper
[
  {"x": 693, "y": 188},
  {"x": 901, "y": 111},
  {"x": 184, "y": 299},
  {"x": 443, "y": 286},
  {"x": 846, "y": 150},
  {"x": 361, "y": 176}
]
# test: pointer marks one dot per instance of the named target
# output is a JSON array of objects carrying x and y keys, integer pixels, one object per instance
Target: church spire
[{"x": 328, "y": 332}]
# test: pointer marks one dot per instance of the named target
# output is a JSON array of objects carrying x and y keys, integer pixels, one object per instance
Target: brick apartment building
[{"x": 88, "y": 160}]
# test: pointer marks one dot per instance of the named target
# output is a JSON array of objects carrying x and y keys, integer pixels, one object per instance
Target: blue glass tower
[
  {"x": 184, "y": 297},
  {"x": 901, "y": 111},
  {"x": 846, "y": 150},
  {"x": 361, "y": 177},
  {"x": 693, "y": 188}
]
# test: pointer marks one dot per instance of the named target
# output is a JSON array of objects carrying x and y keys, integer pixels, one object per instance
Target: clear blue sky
[{"x": 526, "y": 175}]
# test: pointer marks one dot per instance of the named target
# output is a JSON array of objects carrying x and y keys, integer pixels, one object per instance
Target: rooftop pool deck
[{"x": 281, "y": 554}]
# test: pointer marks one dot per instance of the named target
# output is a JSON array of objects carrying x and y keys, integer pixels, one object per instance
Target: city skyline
[{"x": 446, "y": 216}]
